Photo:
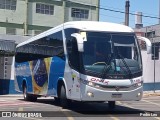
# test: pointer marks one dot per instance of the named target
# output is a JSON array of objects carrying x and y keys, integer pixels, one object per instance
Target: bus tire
[
  {"x": 25, "y": 94},
  {"x": 63, "y": 98},
  {"x": 28, "y": 97},
  {"x": 56, "y": 100},
  {"x": 111, "y": 104},
  {"x": 33, "y": 98}
]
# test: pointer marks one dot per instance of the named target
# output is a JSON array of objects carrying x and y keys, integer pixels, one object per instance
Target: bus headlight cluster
[
  {"x": 93, "y": 84},
  {"x": 138, "y": 84},
  {"x": 90, "y": 83}
]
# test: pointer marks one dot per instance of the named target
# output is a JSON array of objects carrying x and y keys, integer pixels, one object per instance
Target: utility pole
[
  {"x": 159, "y": 12},
  {"x": 64, "y": 7},
  {"x": 127, "y": 12},
  {"x": 154, "y": 72},
  {"x": 26, "y": 19}
]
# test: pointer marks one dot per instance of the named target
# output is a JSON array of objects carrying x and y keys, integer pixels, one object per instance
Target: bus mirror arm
[
  {"x": 80, "y": 40},
  {"x": 148, "y": 43}
]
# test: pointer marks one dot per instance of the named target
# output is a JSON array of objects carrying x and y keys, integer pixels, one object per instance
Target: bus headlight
[{"x": 92, "y": 84}]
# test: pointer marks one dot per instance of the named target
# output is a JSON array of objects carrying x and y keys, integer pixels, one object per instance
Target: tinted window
[
  {"x": 49, "y": 46},
  {"x": 72, "y": 50}
]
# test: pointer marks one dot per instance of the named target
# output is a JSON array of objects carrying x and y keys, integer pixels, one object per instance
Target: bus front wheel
[
  {"x": 63, "y": 98},
  {"x": 111, "y": 104}
]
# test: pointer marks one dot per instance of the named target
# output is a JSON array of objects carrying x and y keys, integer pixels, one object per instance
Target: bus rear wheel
[
  {"x": 28, "y": 97},
  {"x": 111, "y": 104}
]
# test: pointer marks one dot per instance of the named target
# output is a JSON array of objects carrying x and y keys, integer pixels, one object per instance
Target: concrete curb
[
  {"x": 12, "y": 95},
  {"x": 151, "y": 93}
]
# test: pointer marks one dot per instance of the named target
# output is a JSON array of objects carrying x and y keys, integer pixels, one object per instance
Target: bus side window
[
  {"x": 73, "y": 53},
  {"x": 72, "y": 50}
]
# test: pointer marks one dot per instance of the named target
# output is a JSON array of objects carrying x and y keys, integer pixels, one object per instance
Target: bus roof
[{"x": 84, "y": 26}]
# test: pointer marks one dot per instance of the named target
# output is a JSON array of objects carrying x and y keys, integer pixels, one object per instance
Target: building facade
[
  {"x": 151, "y": 66},
  {"x": 21, "y": 19},
  {"x": 30, "y": 17}
]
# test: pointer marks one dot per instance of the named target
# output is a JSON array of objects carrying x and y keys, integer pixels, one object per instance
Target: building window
[
  {"x": 150, "y": 34},
  {"x": 11, "y": 31},
  {"x": 80, "y": 13},
  {"x": 6, "y": 59},
  {"x": 44, "y": 9},
  {"x": 8, "y": 4}
]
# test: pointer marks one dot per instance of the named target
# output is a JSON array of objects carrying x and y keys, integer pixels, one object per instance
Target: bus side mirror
[
  {"x": 80, "y": 41},
  {"x": 148, "y": 44}
]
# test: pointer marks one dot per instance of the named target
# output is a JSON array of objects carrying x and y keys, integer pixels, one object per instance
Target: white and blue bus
[{"x": 82, "y": 61}]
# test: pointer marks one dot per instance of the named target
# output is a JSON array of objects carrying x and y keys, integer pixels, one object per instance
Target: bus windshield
[{"x": 112, "y": 55}]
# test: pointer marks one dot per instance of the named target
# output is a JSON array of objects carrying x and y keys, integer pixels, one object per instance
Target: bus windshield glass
[{"x": 112, "y": 55}]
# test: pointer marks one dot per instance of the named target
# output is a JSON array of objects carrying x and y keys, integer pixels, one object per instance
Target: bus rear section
[{"x": 39, "y": 65}]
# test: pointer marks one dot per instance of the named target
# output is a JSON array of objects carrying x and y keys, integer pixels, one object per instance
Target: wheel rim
[{"x": 24, "y": 93}]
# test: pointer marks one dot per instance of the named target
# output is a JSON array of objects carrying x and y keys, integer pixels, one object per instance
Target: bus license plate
[{"x": 115, "y": 95}]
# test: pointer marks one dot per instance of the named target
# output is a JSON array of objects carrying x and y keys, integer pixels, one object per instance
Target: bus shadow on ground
[
  {"x": 102, "y": 109},
  {"x": 93, "y": 109}
]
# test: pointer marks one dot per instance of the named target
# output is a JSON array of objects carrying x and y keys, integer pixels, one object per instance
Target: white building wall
[
  {"x": 148, "y": 68},
  {"x": 18, "y": 17},
  {"x": 87, "y": 2},
  {"x": 14, "y": 16},
  {"x": 2, "y": 30},
  {"x": 19, "y": 31},
  {"x": 46, "y": 20}
]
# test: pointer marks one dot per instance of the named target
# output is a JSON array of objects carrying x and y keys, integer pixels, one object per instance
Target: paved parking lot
[{"x": 146, "y": 109}]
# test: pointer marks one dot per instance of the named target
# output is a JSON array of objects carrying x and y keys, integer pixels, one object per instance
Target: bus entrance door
[{"x": 75, "y": 90}]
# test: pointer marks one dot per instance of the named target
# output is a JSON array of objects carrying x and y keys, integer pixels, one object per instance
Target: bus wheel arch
[
  {"x": 57, "y": 99},
  {"x": 60, "y": 83}
]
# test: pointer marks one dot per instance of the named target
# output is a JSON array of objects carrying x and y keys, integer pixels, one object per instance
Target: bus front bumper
[{"x": 89, "y": 93}]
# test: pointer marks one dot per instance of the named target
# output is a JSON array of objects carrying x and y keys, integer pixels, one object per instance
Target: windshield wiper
[
  {"x": 106, "y": 67},
  {"x": 124, "y": 62}
]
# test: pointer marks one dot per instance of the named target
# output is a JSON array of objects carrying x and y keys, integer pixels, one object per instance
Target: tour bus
[{"x": 84, "y": 61}]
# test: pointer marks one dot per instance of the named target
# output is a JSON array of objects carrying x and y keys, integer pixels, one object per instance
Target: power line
[
  {"x": 115, "y": 17},
  {"x": 118, "y": 11},
  {"x": 130, "y": 10}
]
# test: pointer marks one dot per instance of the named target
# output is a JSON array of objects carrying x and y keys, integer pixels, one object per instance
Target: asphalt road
[{"x": 46, "y": 109}]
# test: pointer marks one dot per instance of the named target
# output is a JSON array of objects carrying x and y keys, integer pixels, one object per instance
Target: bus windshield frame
[{"x": 111, "y": 55}]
